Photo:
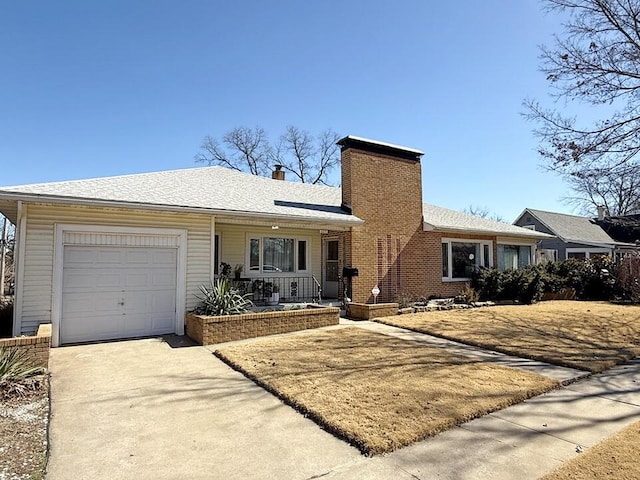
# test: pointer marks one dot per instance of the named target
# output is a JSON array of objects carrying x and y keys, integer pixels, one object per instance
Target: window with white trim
[
  {"x": 273, "y": 255},
  {"x": 584, "y": 253},
  {"x": 512, "y": 257},
  {"x": 460, "y": 258}
]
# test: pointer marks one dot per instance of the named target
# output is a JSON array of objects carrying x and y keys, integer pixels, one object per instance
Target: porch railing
[{"x": 265, "y": 290}]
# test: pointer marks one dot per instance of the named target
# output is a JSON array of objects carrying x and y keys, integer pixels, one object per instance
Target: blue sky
[{"x": 91, "y": 89}]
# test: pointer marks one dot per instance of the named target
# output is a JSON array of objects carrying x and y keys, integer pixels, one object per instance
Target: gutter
[
  {"x": 603, "y": 244},
  {"x": 61, "y": 200},
  {"x": 536, "y": 235}
]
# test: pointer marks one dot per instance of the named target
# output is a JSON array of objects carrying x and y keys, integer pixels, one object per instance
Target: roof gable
[{"x": 571, "y": 228}]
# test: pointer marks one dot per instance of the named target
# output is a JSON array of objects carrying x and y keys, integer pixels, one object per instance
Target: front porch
[{"x": 275, "y": 263}]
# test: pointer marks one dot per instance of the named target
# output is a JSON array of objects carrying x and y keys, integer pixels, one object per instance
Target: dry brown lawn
[
  {"x": 591, "y": 336},
  {"x": 616, "y": 458},
  {"x": 379, "y": 392}
]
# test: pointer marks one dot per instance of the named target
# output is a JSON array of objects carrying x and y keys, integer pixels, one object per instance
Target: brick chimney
[
  {"x": 278, "y": 173},
  {"x": 382, "y": 185}
]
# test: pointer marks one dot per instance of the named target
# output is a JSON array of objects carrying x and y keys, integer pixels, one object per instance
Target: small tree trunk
[{"x": 3, "y": 255}]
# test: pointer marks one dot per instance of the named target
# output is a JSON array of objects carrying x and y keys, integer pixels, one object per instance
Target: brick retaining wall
[
  {"x": 367, "y": 311},
  {"x": 225, "y": 328},
  {"x": 37, "y": 346}
]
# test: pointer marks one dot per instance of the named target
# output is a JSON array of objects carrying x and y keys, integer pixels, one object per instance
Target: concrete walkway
[{"x": 152, "y": 409}]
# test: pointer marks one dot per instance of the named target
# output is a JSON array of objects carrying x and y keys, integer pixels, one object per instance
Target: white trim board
[
  {"x": 21, "y": 234},
  {"x": 58, "y": 261},
  {"x": 586, "y": 251}
]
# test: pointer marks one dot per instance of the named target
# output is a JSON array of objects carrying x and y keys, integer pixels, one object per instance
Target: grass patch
[
  {"x": 614, "y": 458},
  {"x": 592, "y": 336},
  {"x": 378, "y": 392}
]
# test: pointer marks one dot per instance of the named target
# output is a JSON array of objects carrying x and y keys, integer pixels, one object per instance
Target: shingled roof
[
  {"x": 572, "y": 228},
  {"x": 215, "y": 189},
  {"x": 447, "y": 220}
]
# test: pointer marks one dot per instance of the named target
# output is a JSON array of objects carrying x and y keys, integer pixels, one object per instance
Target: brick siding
[
  {"x": 225, "y": 328},
  {"x": 391, "y": 249},
  {"x": 367, "y": 311},
  {"x": 36, "y": 346}
]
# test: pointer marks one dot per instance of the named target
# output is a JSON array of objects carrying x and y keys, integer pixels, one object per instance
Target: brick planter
[
  {"x": 207, "y": 330},
  {"x": 37, "y": 345},
  {"x": 367, "y": 311}
]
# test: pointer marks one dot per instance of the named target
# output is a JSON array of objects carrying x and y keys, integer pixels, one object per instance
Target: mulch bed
[{"x": 24, "y": 419}]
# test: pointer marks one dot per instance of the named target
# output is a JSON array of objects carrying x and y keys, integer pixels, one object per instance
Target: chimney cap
[
  {"x": 278, "y": 167},
  {"x": 374, "y": 146}
]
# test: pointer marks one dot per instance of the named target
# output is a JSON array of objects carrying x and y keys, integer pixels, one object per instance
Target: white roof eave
[
  {"x": 350, "y": 220},
  {"x": 477, "y": 231}
]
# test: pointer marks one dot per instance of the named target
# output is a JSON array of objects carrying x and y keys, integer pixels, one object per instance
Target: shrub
[
  {"x": 525, "y": 285},
  {"x": 18, "y": 375},
  {"x": 469, "y": 294},
  {"x": 15, "y": 365},
  {"x": 627, "y": 278},
  {"x": 590, "y": 278},
  {"x": 222, "y": 298},
  {"x": 404, "y": 299}
]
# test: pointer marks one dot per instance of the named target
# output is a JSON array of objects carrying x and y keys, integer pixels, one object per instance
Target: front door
[{"x": 330, "y": 287}]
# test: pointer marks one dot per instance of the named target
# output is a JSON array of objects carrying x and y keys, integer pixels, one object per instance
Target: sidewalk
[{"x": 521, "y": 442}]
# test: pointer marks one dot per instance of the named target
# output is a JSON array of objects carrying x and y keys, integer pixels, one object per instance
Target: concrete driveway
[
  {"x": 155, "y": 409},
  {"x": 142, "y": 409}
]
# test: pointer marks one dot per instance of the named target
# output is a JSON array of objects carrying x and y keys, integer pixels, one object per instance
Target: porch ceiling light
[{"x": 274, "y": 227}]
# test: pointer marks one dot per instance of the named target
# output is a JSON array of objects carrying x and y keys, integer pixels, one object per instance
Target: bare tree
[
  {"x": 483, "y": 212},
  {"x": 243, "y": 149},
  {"x": 618, "y": 190},
  {"x": 7, "y": 244},
  {"x": 595, "y": 62},
  {"x": 308, "y": 158}
]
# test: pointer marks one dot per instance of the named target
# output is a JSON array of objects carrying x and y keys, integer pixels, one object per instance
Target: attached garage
[{"x": 113, "y": 283}]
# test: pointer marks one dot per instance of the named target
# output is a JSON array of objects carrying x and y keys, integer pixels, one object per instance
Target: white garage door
[{"x": 117, "y": 292}]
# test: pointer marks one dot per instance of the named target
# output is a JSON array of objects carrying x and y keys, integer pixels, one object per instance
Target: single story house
[
  {"x": 574, "y": 236},
  {"x": 125, "y": 256}
]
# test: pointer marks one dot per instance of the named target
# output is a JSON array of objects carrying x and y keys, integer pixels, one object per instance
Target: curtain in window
[
  {"x": 524, "y": 256},
  {"x": 507, "y": 257},
  {"x": 254, "y": 254},
  {"x": 278, "y": 254}
]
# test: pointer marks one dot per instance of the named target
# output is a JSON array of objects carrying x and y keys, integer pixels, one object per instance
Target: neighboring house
[
  {"x": 576, "y": 237},
  {"x": 124, "y": 256}
]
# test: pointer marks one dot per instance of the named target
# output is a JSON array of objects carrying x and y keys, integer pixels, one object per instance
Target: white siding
[
  {"x": 233, "y": 240},
  {"x": 39, "y": 246}
]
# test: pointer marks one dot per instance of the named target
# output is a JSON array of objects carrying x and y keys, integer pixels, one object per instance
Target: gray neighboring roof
[
  {"x": 572, "y": 228},
  {"x": 445, "y": 219},
  {"x": 215, "y": 189}
]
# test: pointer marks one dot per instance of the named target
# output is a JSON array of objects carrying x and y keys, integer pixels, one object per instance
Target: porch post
[
  {"x": 213, "y": 248},
  {"x": 18, "y": 266}
]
